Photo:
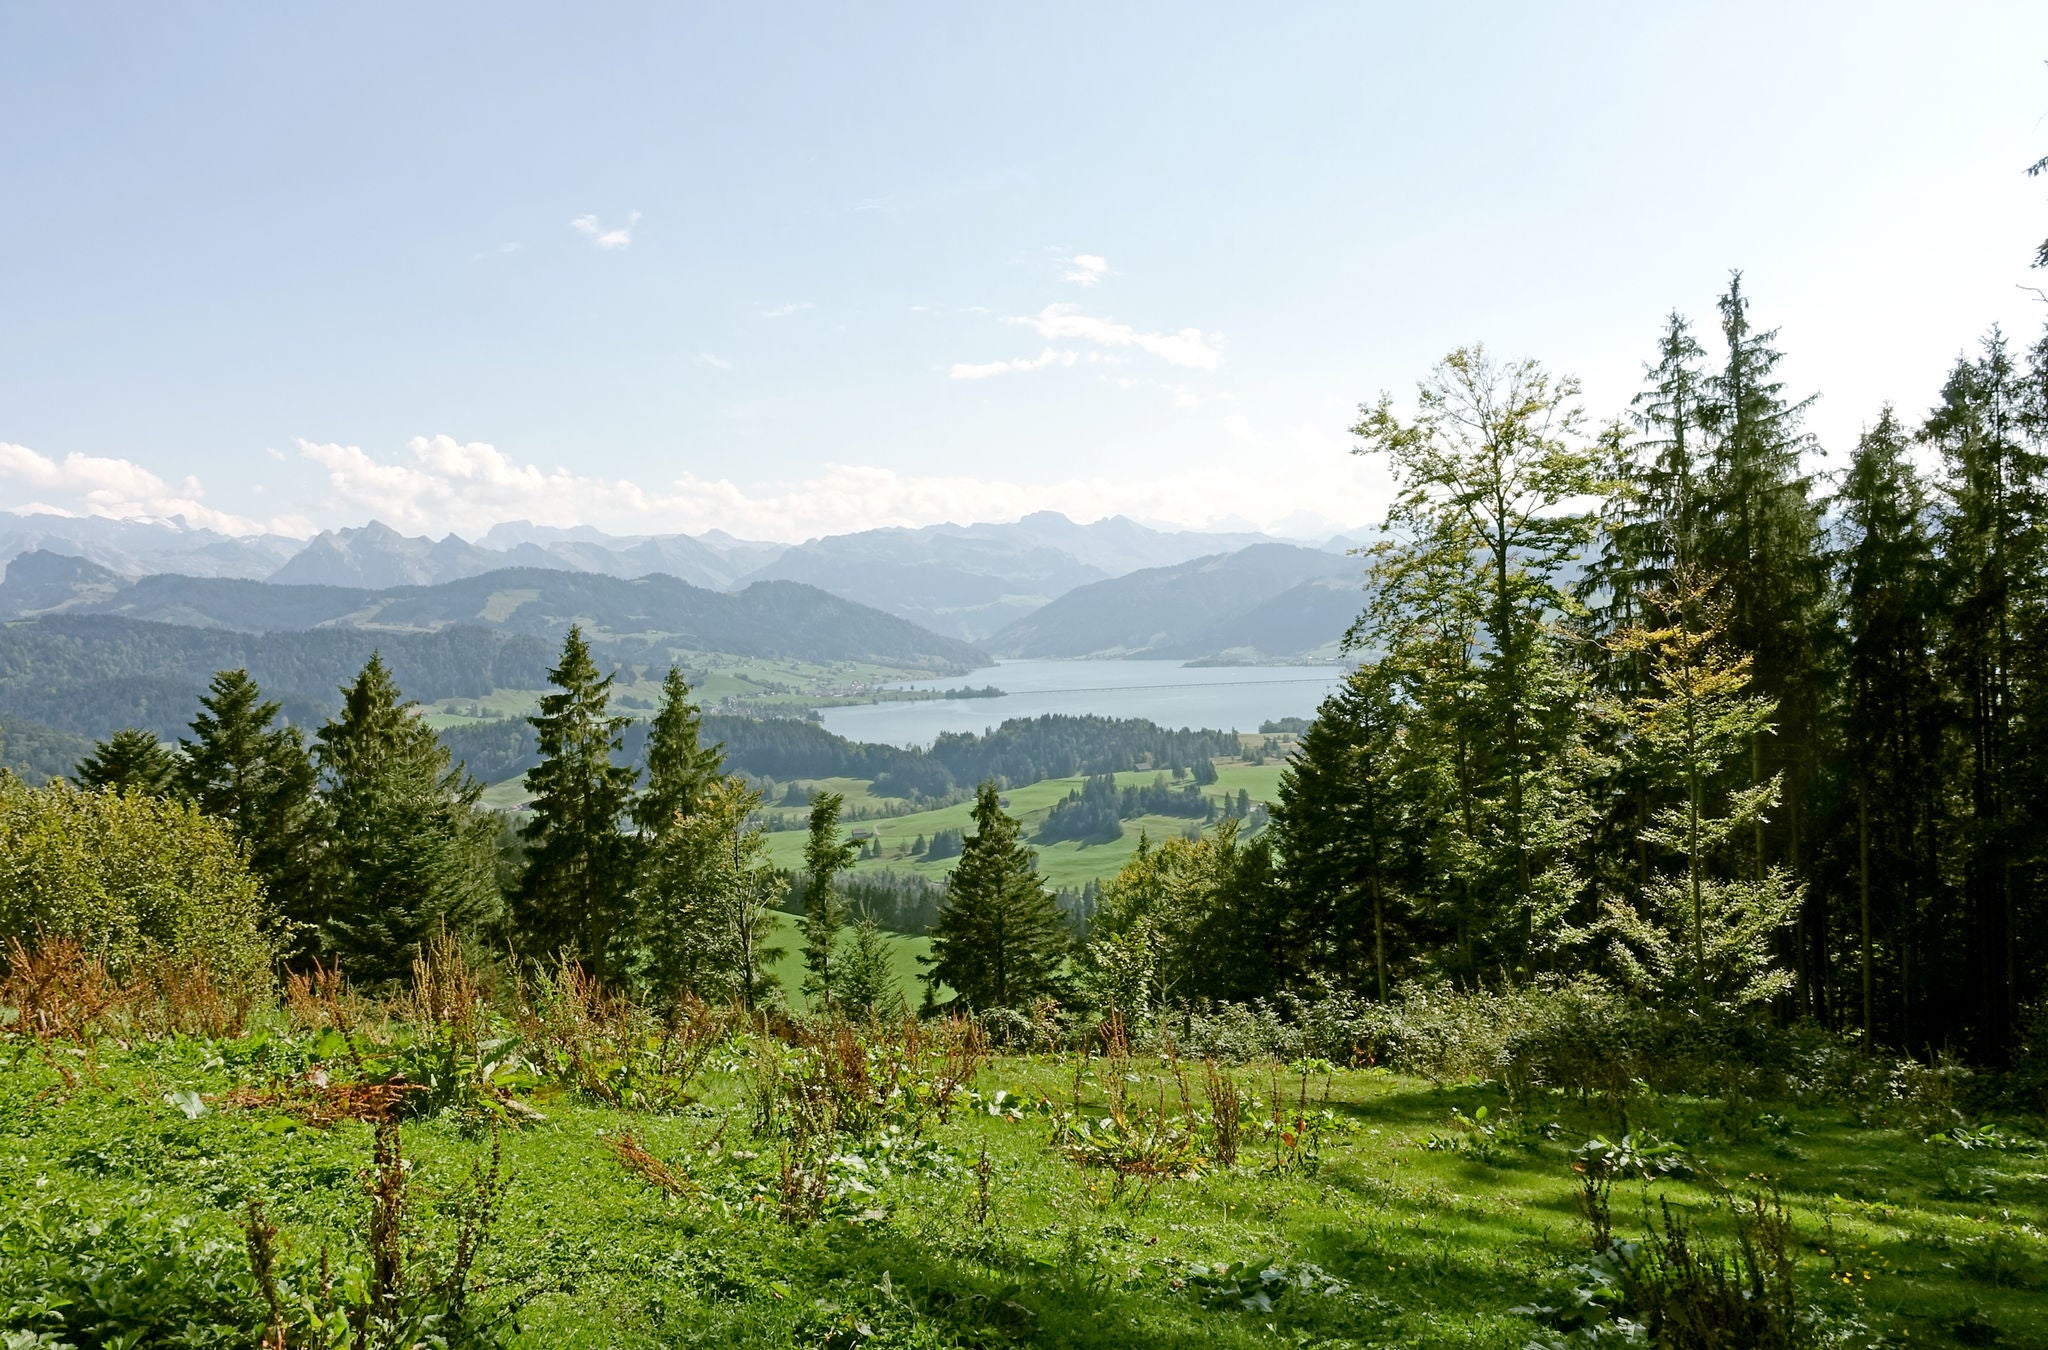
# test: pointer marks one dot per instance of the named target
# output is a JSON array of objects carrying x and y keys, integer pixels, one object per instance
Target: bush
[
  {"x": 135, "y": 881},
  {"x": 1583, "y": 1034}
]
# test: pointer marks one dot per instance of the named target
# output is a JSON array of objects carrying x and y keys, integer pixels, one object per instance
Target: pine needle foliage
[
  {"x": 411, "y": 854},
  {"x": 129, "y": 761},
  {"x": 679, "y": 765},
  {"x": 826, "y": 855},
  {"x": 240, "y": 768},
  {"x": 999, "y": 941},
  {"x": 575, "y": 898}
]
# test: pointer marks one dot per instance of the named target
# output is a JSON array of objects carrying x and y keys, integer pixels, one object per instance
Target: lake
[{"x": 1167, "y": 692}]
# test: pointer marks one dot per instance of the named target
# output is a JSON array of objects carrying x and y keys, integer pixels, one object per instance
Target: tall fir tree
[
  {"x": 679, "y": 765},
  {"x": 1760, "y": 534},
  {"x": 1342, "y": 826},
  {"x": 575, "y": 898},
  {"x": 1893, "y": 718},
  {"x": 998, "y": 940},
  {"x": 240, "y": 768},
  {"x": 130, "y": 761},
  {"x": 1648, "y": 528},
  {"x": 826, "y": 855},
  {"x": 412, "y": 854},
  {"x": 1993, "y": 536}
]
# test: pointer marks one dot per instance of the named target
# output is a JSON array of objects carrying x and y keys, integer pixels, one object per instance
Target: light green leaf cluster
[{"x": 134, "y": 880}]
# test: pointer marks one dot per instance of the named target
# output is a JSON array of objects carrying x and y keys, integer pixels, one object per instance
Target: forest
[{"x": 1644, "y": 946}]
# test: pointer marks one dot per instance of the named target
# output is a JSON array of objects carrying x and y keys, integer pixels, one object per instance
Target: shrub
[
  {"x": 138, "y": 882},
  {"x": 1581, "y": 1033}
]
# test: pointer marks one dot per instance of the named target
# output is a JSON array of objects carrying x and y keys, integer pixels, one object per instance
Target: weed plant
[{"x": 500, "y": 1157}]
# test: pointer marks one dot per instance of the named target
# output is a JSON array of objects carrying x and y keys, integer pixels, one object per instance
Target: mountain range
[
  {"x": 642, "y": 618},
  {"x": 1041, "y": 585}
]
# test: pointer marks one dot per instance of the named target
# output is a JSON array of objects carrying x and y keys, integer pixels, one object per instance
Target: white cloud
[
  {"x": 715, "y": 362},
  {"x": 118, "y": 489},
  {"x": 963, "y": 370},
  {"x": 784, "y": 311},
  {"x": 1189, "y": 347},
  {"x": 502, "y": 250},
  {"x": 594, "y": 229},
  {"x": 1085, "y": 269},
  {"x": 442, "y": 484}
]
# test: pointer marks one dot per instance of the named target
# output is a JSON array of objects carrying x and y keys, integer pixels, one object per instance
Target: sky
[{"x": 789, "y": 270}]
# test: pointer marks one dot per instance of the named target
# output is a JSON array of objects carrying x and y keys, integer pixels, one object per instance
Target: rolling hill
[
  {"x": 1206, "y": 607},
  {"x": 644, "y": 615},
  {"x": 91, "y": 674}
]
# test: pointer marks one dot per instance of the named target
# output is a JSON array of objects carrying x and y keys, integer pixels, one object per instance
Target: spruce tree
[
  {"x": 1341, "y": 825},
  {"x": 998, "y": 940},
  {"x": 1700, "y": 939},
  {"x": 826, "y": 855},
  {"x": 411, "y": 854},
  {"x": 1761, "y": 536},
  {"x": 701, "y": 920},
  {"x": 1649, "y": 527},
  {"x": 679, "y": 764},
  {"x": 259, "y": 779},
  {"x": 575, "y": 898},
  {"x": 1994, "y": 577},
  {"x": 866, "y": 978},
  {"x": 1894, "y": 715},
  {"x": 129, "y": 761}
]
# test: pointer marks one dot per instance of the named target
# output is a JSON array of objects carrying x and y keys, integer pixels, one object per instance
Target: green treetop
[
  {"x": 411, "y": 854},
  {"x": 259, "y": 779},
  {"x": 679, "y": 765},
  {"x": 576, "y": 896},
  {"x": 129, "y": 761},
  {"x": 825, "y": 856},
  {"x": 998, "y": 940}
]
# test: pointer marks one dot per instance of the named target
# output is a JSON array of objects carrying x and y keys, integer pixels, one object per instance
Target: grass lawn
[{"x": 1380, "y": 1230}]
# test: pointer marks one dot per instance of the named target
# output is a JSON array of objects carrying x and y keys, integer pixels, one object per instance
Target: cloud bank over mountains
[
  {"x": 117, "y": 489},
  {"x": 438, "y": 484}
]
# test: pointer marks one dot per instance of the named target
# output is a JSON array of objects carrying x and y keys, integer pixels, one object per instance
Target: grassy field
[
  {"x": 1389, "y": 1218},
  {"x": 1066, "y": 863}
]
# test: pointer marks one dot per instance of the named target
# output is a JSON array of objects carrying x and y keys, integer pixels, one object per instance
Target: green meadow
[{"x": 1057, "y": 1199}]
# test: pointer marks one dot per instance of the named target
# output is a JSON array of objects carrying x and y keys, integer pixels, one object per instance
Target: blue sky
[{"x": 796, "y": 269}]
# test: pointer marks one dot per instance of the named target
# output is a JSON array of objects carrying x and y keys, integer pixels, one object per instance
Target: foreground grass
[{"x": 1387, "y": 1224}]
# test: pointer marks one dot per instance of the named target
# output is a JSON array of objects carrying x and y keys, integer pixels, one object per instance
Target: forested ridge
[
  {"x": 639, "y": 618},
  {"x": 1021, "y": 750},
  {"x": 87, "y": 673}
]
